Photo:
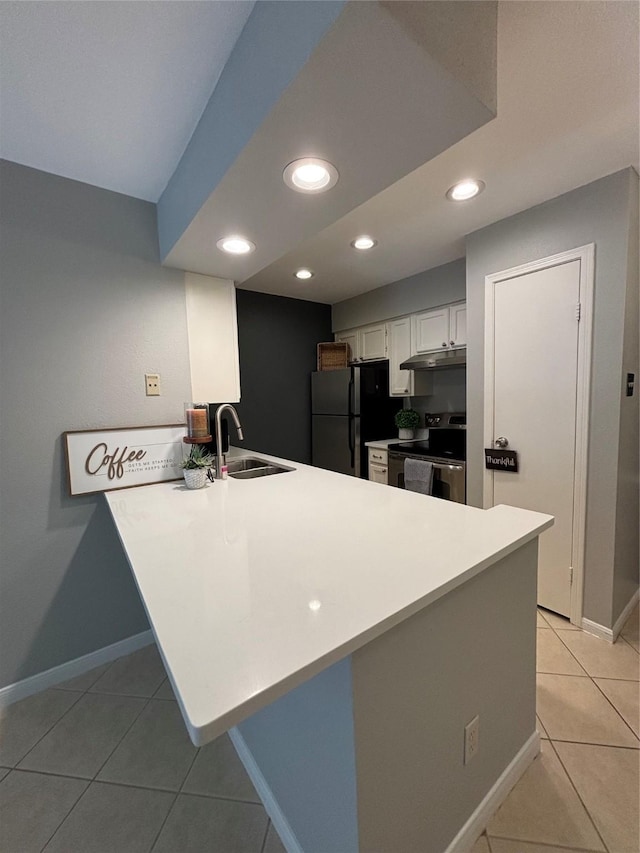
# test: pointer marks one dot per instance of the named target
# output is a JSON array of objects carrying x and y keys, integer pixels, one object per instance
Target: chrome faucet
[{"x": 220, "y": 457}]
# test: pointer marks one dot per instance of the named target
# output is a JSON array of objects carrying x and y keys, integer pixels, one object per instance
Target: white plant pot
[
  {"x": 405, "y": 434},
  {"x": 195, "y": 478}
]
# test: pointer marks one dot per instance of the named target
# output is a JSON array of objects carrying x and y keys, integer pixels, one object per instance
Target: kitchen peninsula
[{"x": 346, "y": 635}]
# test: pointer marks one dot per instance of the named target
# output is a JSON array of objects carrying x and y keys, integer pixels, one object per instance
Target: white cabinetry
[
  {"x": 350, "y": 337},
  {"x": 405, "y": 383},
  {"x": 378, "y": 466},
  {"x": 212, "y": 329},
  {"x": 368, "y": 343},
  {"x": 440, "y": 328}
]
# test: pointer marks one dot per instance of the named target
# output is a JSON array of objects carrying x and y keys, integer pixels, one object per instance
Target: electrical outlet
[
  {"x": 471, "y": 739},
  {"x": 152, "y": 383}
]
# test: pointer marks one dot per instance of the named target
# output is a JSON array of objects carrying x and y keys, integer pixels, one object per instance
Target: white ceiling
[
  {"x": 110, "y": 92},
  {"x": 567, "y": 114}
]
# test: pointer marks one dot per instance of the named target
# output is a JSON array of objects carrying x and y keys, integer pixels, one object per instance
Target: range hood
[{"x": 436, "y": 360}]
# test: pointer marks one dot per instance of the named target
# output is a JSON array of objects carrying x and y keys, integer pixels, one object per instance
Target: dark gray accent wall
[
  {"x": 602, "y": 213},
  {"x": 277, "y": 338},
  {"x": 85, "y": 310}
]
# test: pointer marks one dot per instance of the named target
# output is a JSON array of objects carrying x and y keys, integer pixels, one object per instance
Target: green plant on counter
[
  {"x": 198, "y": 458},
  {"x": 407, "y": 419}
]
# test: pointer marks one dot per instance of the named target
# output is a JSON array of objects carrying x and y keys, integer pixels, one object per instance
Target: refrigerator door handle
[
  {"x": 357, "y": 443},
  {"x": 352, "y": 445}
]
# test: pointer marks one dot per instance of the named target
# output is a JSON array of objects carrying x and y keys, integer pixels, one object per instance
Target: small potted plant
[
  {"x": 196, "y": 466},
  {"x": 407, "y": 420}
]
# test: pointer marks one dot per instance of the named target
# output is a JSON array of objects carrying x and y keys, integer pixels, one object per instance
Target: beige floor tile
[
  {"x": 601, "y": 659},
  {"x": 481, "y": 845},
  {"x": 625, "y": 696},
  {"x": 558, "y": 622},
  {"x": 506, "y": 845},
  {"x": 543, "y": 807},
  {"x": 630, "y": 629},
  {"x": 572, "y": 708},
  {"x": 540, "y": 622},
  {"x": 606, "y": 779},
  {"x": 541, "y": 729},
  {"x": 553, "y": 656}
]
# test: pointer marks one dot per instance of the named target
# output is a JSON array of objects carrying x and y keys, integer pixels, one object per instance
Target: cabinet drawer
[
  {"x": 378, "y": 474},
  {"x": 377, "y": 457}
]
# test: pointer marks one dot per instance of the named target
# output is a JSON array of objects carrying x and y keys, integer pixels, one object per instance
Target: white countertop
[
  {"x": 383, "y": 443},
  {"x": 254, "y": 586}
]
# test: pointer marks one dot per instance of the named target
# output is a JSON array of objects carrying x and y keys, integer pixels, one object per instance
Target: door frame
[{"x": 586, "y": 256}]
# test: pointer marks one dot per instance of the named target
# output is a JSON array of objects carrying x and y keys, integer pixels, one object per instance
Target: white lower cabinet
[{"x": 378, "y": 472}]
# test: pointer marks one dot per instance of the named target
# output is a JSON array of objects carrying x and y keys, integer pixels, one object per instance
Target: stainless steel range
[{"x": 446, "y": 449}]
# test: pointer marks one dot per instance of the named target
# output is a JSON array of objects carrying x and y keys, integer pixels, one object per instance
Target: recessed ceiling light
[
  {"x": 364, "y": 242},
  {"x": 236, "y": 245},
  {"x": 464, "y": 190},
  {"x": 310, "y": 175},
  {"x": 304, "y": 273}
]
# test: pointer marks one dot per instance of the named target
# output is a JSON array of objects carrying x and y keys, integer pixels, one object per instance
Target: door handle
[{"x": 502, "y": 441}]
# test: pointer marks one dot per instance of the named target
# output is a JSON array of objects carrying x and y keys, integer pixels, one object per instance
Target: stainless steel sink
[{"x": 249, "y": 467}]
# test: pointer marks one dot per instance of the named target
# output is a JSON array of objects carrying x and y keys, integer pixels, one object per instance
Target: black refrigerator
[{"x": 349, "y": 407}]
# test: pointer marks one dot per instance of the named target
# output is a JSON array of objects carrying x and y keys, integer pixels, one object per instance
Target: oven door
[{"x": 449, "y": 477}]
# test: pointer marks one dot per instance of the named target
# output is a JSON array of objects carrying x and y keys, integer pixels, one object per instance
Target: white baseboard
[
  {"x": 619, "y": 625},
  {"x": 597, "y": 630},
  {"x": 58, "y": 674},
  {"x": 272, "y": 807},
  {"x": 477, "y": 823},
  {"x": 611, "y": 634},
  {"x": 464, "y": 840}
]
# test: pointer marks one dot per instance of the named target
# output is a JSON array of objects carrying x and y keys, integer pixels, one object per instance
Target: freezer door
[
  {"x": 331, "y": 391},
  {"x": 333, "y": 443}
]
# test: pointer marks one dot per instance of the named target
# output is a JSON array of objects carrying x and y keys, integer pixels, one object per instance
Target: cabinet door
[
  {"x": 373, "y": 342},
  {"x": 378, "y": 474},
  {"x": 431, "y": 330},
  {"x": 458, "y": 325},
  {"x": 350, "y": 337},
  {"x": 212, "y": 330},
  {"x": 400, "y": 381}
]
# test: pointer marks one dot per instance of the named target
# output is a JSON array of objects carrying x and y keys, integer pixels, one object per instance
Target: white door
[{"x": 535, "y": 388}]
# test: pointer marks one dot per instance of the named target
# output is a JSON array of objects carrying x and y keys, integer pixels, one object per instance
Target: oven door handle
[{"x": 442, "y": 466}]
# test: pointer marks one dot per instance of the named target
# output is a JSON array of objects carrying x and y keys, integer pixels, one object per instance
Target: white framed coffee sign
[{"x": 107, "y": 459}]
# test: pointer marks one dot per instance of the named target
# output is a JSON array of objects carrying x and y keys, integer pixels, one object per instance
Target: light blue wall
[
  {"x": 598, "y": 213},
  {"x": 437, "y": 286},
  {"x": 304, "y": 745},
  {"x": 275, "y": 43}
]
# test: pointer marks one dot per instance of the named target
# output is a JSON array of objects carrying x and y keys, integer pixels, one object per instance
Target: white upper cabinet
[
  {"x": 431, "y": 330},
  {"x": 212, "y": 328},
  {"x": 350, "y": 337},
  {"x": 373, "y": 342},
  {"x": 400, "y": 381},
  {"x": 405, "y": 383},
  {"x": 440, "y": 328},
  {"x": 368, "y": 343},
  {"x": 458, "y": 325}
]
